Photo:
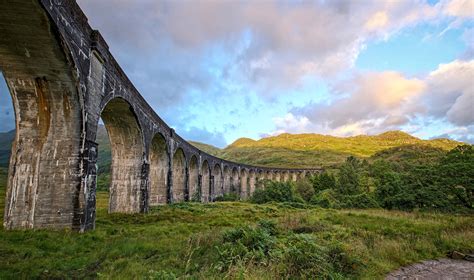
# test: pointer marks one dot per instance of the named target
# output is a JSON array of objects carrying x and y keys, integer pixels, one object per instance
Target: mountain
[
  {"x": 206, "y": 148},
  {"x": 309, "y": 150},
  {"x": 295, "y": 150}
]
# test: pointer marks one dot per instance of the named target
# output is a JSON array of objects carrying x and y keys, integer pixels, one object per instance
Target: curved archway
[
  {"x": 294, "y": 176},
  {"x": 193, "y": 182},
  {"x": 252, "y": 182},
  {"x": 205, "y": 182},
  {"x": 277, "y": 176},
  {"x": 235, "y": 186},
  {"x": 217, "y": 188},
  {"x": 227, "y": 180},
  {"x": 126, "y": 143},
  {"x": 269, "y": 175},
  {"x": 159, "y": 167},
  {"x": 260, "y": 179},
  {"x": 244, "y": 176},
  {"x": 179, "y": 176}
]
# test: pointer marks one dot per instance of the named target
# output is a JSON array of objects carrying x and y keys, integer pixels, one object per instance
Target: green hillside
[
  {"x": 309, "y": 150},
  {"x": 206, "y": 148},
  {"x": 292, "y": 150}
]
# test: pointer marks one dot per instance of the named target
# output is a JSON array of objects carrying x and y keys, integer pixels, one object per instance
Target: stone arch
[
  {"x": 252, "y": 182},
  {"x": 244, "y": 175},
  {"x": 269, "y": 175},
  {"x": 179, "y": 176},
  {"x": 260, "y": 179},
  {"x": 49, "y": 120},
  {"x": 235, "y": 186},
  {"x": 217, "y": 188},
  {"x": 294, "y": 176},
  {"x": 193, "y": 181},
  {"x": 286, "y": 176},
  {"x": 227, "y": 179},
  {"x": 159, "y": 168},
  {"x": 127, "y": 148},
  {"x": 277, "y": 176},
  {"x": 205, "y": 182}
]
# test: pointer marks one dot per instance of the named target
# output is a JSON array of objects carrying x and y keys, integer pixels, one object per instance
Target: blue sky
[{"x": 220, "y": 70}]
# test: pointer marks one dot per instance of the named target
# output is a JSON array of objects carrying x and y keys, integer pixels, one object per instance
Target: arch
[
  {"x": 205, "y": 182},
  {"x": 159, "y": 168},
  {"x": 48, "y": 117},
  {"x": 244, "y": 175},
  {"x": 217, "y": 186},
  {"x": 286, "y": 176},
  {"x": 127, "y": 148},
  {"x": 269, "y": 175},
  {"x": 294, "y": 176},
  {"x": 193, "y": 181},
  {"x": 179, "y": 176},
  {"x": 277, "y": 176},
  {"x": 252, "y": 182},
  {"x": 227, "y": 180},
  {"x": 235, "y": 185},
  {"x": 260, "y": 179}
]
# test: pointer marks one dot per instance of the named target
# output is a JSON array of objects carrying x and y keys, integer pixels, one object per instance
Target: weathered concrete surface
[
  {"x": 63, "y": 79},
  {"x": 442, "y": 269}
]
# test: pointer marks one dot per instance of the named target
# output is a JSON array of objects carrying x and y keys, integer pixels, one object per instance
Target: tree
[{"x": 348, "y": 182}]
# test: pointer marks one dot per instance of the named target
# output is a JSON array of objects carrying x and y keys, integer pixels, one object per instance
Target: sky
[{"x": 220, "y": 70}]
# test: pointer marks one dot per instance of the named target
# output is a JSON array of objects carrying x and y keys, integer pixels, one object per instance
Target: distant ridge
[{"x": 293, "y": 150}]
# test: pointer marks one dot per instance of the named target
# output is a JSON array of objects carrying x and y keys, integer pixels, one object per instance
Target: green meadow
[{"x": 234, "y": 240}]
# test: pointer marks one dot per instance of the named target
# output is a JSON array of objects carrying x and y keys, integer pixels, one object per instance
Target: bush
[
  {"x": 246, "y": 244},
  {"x": 274, "y": 192},
  {"x": 326, "y": 199},
  {"x": 362, "y": 201},
  {"x": 303, "y": 258},
  {"x": 228, "y": 197},
  {"x": 304, "y": 189},
  {"x": 323, "y": 181}
]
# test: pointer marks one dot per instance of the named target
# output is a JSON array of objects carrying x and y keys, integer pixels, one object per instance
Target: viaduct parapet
[{"x": 62, "y": 80}]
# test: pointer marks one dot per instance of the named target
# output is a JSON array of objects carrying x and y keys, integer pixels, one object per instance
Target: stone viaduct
[{"x": 62, "y": 80}]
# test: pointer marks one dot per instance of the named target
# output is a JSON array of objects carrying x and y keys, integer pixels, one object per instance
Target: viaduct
[{"x": 62, "y": 80}]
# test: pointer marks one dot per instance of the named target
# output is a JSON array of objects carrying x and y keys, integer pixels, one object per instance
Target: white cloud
[{"x": 373, "y": 102}]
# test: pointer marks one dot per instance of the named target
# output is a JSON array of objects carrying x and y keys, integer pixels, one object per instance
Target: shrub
[
  {"x": 304, "y": 189},
  {"x": 274, "y": 192},
  {"x": 362, "y": 200},
  {"x": 246, "y": 244},
  {"x": 323, "y": 181},
  {"x": 303, "y": 258},
  {"x": 228, "y": 197},
  {"x": 326, "y": 199}
]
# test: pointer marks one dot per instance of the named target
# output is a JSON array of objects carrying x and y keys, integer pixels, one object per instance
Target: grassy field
[{"x": 202, "y": 241}]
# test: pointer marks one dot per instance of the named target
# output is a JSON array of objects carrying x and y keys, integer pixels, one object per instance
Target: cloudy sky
[{"x": 220, "y": 70}]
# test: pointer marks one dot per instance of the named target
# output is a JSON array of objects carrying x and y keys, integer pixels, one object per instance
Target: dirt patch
[{"x": 442, "y": 269}]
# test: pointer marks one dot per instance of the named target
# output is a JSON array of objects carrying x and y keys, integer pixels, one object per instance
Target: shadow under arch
[
  {"x": 126, "y": 193},
  {"x": 193, "y": 179},
  {"x": 205, "y": 182},
  {"x": 227, "y": 180},
  {"x": 244, "y": 178},
  {"x": 217, "y": 186},
  {"x": 179, "y": 190},
  {"x": 235, "y": 186},
  {"x": 159, "y": 169}
]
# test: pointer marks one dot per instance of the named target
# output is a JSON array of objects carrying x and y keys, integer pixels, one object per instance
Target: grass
[{"x": 187, "y": 240}]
